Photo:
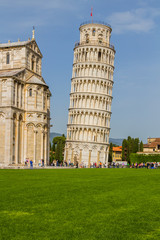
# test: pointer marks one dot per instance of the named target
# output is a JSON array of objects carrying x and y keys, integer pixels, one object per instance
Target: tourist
[
  {"x": 77, "y": 164},
  {"x": 42, "y": 162},
  {"x": 31, "y": 164},
  {"x": 39, "y": 164},
  {"x": 25, "y": 162}
]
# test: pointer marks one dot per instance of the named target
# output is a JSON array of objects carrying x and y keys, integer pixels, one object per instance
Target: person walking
[{"x": 31, "y": 164}]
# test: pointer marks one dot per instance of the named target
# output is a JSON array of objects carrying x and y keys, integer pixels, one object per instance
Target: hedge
[{"x": 143, "y": 158}]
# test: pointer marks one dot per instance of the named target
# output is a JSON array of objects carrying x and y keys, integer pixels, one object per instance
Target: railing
[
  {"x": 95, "y": 21},
  {"x": 95, "y": 43}
]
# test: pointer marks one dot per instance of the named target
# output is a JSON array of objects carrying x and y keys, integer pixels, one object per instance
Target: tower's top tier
[{"x": 95, "y": 33}]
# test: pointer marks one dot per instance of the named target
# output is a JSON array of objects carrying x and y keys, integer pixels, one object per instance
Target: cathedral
[{"x": 24, "y": 105}]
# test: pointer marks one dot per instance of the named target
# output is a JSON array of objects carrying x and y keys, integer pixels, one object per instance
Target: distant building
[
  {"x": 117, "y": 154},
  {"x": 153, "y": 146},
  {"x": 24, "y": 104}
]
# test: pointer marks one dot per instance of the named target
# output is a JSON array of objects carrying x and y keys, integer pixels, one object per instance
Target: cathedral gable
[
  {"x": 20, "y": 75},
  {"x": 34, "y": 47}
]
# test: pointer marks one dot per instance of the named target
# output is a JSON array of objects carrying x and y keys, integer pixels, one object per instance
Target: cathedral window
[
  {"x": 8, "y": 58},
  {"x": 30, "y": 92},
  {"x": 32, "y": 65},
  {"x": 44, "y": 103},
  {"x": 93, "y": 32},
  {"x": 14, "y": 93},
  {"x": 37, "y": 66}
]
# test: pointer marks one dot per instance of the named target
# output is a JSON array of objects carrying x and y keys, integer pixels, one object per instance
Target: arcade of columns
[{"x": 91, "y": 97}]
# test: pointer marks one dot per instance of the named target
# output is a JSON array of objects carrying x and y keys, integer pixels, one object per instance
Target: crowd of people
[
  {"x": 148, "y": 165},
  {"x": 29, "y": 163},
  {"x": 55, "y": 163}
]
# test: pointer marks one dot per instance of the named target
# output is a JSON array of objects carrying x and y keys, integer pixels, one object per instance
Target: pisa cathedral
[
  {"x": 91, "y": 96},
  {"x": 24, "y": 104}
]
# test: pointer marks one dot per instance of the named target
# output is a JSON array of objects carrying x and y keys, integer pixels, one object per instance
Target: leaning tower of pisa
[{"x": 91, "y": 96}]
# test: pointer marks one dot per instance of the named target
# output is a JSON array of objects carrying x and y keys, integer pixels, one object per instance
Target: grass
[{"x": 85, "y": 204}]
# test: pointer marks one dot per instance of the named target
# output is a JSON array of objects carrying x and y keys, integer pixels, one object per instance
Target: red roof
[{"x": 117, "y": 149}]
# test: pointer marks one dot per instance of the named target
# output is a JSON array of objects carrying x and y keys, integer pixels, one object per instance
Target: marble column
[
  {"x": 45, "y": 150},
  {"x": 42, "y": 144},
  {"x": 80, "y": 157},
  {"x": 72, "y": 156},
  {"x": 16, "y": 88},
  {"x": 25, "y": 143},
  {"x": 17, "y": 142},
  {"x": 98, "y": 158},
  {"x": 66, "y": 155},
  {"x": 35, "y": 140},
  {"x": 89, "y": 158}
]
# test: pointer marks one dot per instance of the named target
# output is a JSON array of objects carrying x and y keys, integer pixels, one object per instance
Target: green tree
[
  {"x": 136, "y": 145},
  {"x": 52, "y": 156},
  {"x": 110, "y": 152},
  {"x": 58, "y": 147},
  {"x": 141, "y": 146},
  {"x": 50, "y": 147},
  {"x": 124, "y": 150},
  {"x": 129, "y": 145}
]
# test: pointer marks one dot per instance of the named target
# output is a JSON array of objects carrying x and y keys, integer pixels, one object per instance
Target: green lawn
[{"x": 80, "y": 204}]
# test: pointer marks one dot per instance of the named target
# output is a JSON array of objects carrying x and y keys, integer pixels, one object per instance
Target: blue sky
[{"x": 135, "y": 34}]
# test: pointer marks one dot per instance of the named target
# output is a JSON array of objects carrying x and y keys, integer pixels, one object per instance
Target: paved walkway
[{"x": 28, "y": 167}]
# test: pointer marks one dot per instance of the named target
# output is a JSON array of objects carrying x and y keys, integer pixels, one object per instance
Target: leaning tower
[{"x": 91, "y": 96}]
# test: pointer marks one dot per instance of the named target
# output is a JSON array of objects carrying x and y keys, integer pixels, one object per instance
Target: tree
[
  {"x": 124, "y": 150},
  {"x": 58, "y": 147},
  {"x": 52, "y": 156},
  {"x": 110, "y": 152},
  {"x": 50, "y": 146},
  {"x": 141, "y": 146},
  {"x": 136, "y": 145},
  {"x": 130, "y": 145}
]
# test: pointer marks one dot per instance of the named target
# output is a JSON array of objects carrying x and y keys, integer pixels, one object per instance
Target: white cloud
[{"x": 138, "y": 20}]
